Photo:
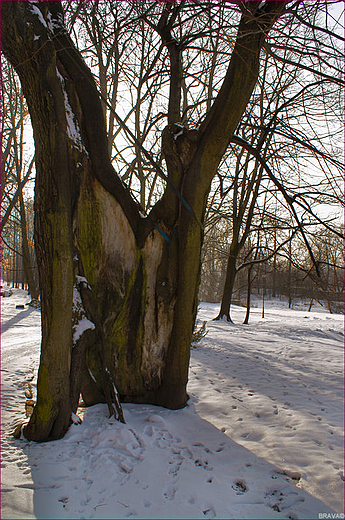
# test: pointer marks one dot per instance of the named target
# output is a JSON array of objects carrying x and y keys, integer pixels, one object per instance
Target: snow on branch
[{"x": 73, "y": 130}]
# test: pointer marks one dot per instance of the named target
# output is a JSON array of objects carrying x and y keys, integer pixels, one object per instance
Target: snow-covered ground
[{"x": 262, "y": 436}]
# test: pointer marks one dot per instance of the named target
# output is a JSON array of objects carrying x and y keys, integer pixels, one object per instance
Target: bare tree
[
  {"x": 286, "y": 114},
  {"x": 16, "y": 170}
]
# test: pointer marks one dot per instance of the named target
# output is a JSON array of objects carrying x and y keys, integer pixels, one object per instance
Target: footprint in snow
[
  {"x": 169, "y": 492},
  {"x": 155, "y": 419},
  {"x": 148, "y": 430},
  {"x": 209, "y": 512},
  {"x": 163, "y": 439},
  {"x": 175, "y": 467},
  {"x": 186, "y": 453},
  {"x": 279, "y": 501},
  {"x": 240, "y": 486},
  {"x": 202, "y": 463},
  {"x": 130, "y": 512}
]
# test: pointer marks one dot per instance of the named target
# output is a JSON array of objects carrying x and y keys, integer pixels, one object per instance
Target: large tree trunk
[{"x": 119, "y": 292}]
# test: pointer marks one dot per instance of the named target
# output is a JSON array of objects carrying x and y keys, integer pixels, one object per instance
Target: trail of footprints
[
  {"x": 278, "y": 497},
  {"x": 196, "y": 455},
  {"x": 118, "y": 453}
]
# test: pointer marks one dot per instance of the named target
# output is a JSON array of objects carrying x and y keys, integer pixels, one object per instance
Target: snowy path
[
  {"x": 176, "y": 464},
  {"x": 20, "y": 340}
]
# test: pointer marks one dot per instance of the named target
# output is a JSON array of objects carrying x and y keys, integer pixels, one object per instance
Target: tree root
[{"x": 112, "y": 398}]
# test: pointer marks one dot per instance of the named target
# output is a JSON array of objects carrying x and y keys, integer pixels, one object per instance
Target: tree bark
[
  {"x": 27, "y": 261},
  {"x": 231, "y": 272},
  {"x": 119, "y": 292},
  {"x": 249, "y": 291}
]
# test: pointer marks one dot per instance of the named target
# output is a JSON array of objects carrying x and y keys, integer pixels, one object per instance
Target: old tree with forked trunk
[{"x": 118, "y": 291}]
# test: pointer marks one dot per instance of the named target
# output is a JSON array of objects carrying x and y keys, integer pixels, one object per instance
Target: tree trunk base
[{"x": 221, "y": 317}]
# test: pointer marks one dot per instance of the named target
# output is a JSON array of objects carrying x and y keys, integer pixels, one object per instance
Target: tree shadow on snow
[
  {"x": 160, "y": 464},
  {"x": 16, "y": 319}
]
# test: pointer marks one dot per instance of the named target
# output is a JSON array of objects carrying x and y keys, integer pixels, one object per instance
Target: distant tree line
[
  {"x": 13, "y": 271},
  {"x": 18, "y": 263},
  {"x": 268, "y": 272}
]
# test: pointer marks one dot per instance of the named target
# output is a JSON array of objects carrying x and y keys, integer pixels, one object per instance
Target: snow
[
  {"x": 51, "y": 23},
  {"x": 276, "y": 387},
  {"x": 73, "y": 130},
  {"x": 178, "y": 135},
  {"x": 35, "y": 10},
  {"x": 91, "y": 375},
  {"x": 82, "y": 279},
  {"x": 56, "y": 23},
  {"x": 82, "y": 325},
  {"x": 76, "y": 419},
  {"x": 265, "y": 408},
  {"x": 83, "y": 322}
]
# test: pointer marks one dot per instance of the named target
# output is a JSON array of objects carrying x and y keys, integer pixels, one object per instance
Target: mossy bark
[{"x": 134, "y": 283}]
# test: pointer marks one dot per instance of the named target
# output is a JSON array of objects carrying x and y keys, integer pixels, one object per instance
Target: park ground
[{"x": 261, "y": 437}]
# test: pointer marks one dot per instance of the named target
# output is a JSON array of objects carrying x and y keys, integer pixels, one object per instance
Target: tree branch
[{"x": 238, "y": 140}]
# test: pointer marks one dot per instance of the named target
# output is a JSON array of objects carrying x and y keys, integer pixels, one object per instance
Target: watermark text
[{"x": 328, "y": 516}]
